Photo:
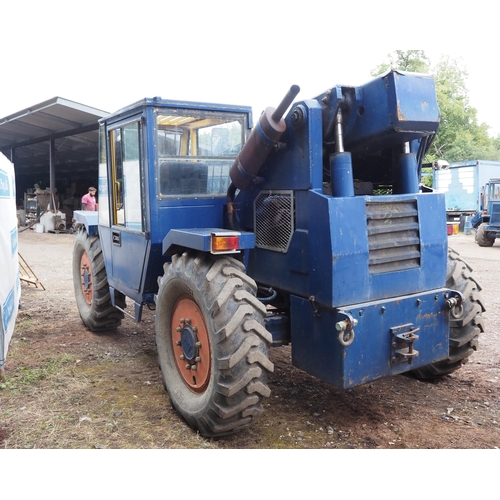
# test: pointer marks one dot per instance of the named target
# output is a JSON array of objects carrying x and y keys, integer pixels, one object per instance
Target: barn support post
[{"x": 52, "y": 167}]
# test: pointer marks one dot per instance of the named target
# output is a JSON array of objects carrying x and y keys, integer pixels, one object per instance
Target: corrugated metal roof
[{"x": 73, "y": 126}]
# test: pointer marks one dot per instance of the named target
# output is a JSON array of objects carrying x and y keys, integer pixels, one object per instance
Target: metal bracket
[{"x": 402, "y": 339}]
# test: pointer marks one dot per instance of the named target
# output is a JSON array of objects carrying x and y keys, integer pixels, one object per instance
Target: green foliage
[
  {"x": 426, "y": 178},
  {"x": 460, "y": 136},
  {"x": 410, "y": 60}
]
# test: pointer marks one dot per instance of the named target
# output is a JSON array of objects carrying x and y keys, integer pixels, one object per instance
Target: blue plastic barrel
[{"x": 467, "y": 226}]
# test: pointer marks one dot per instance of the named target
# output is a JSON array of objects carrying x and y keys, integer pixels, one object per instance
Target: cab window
[
  {"x": 195, "y": 150},
  {"x": 127, "y": 176}
]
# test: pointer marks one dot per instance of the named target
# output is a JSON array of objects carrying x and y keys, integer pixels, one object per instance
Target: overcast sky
[{"x": 108, "y": 54}]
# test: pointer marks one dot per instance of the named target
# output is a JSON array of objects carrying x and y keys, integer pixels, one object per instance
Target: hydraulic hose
[{"x": 231, "y": 213}]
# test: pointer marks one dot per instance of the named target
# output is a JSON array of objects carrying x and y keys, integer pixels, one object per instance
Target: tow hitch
[{"x": 403, "y": 338}]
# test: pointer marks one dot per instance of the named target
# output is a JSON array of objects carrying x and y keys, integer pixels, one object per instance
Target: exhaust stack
[{"x": 261, "y": 143}]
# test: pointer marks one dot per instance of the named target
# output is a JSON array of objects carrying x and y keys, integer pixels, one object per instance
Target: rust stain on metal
[
  {"x": 430, "y": 315},
  {"x": 401, "y": 116}
]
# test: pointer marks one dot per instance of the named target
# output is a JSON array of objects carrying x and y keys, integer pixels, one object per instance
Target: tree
[
  {"x": 460, "y": 136},
  {"x": 410, "y": 60}
]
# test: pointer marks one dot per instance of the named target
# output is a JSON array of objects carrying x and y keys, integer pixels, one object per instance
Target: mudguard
[{"x": 88, "y": 219}]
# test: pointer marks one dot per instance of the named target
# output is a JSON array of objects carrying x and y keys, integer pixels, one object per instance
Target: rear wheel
[
  {"x": 482, "y": 237},
  {"x": 464, "y": 331},
  {"x": 91, "y": 285},
  {"x": 212, "y": 343}
]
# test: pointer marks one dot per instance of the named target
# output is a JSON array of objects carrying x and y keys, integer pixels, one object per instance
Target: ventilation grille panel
[
  {"x": 274, "y": 220},
  {"x": 393, "y": 236}
]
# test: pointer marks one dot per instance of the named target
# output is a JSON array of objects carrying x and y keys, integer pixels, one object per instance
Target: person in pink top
[{"x": 89, "y": 201}]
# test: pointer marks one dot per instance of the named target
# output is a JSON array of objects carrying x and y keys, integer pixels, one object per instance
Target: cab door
[{"x": 129, "y": 242}]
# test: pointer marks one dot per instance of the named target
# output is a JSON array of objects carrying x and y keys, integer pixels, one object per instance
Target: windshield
[
  {"x": 195, "y": 150},
  {"x": 494, "y": 191}
]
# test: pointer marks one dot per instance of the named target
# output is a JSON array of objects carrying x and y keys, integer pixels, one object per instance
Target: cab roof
[{"x": 158, "y": 102}]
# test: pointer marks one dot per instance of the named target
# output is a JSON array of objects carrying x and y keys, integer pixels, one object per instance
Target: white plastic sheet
[{"x": 10, "y": 288}]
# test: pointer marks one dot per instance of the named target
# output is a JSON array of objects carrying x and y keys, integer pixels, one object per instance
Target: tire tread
[
  {"x": 464, "y": 331},
  {"x": 239, "y": 342},
  {"x": 101, "y": 315}
]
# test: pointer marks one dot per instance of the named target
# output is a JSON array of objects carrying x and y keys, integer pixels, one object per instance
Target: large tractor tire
[
  {"x": 212, "y": 343},
  {"x": 482, "y": 237},
  {"x": 91, "y": 285},
  {"x": 465, "y": 330}
]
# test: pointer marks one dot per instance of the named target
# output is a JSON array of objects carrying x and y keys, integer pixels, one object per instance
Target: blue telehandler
[
  {"x": 487, "y": 221},
  {"x": 308, "y": 229}
]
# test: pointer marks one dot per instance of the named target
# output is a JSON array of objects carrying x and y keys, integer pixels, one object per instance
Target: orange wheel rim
[
  {"x": 86, "y": 278},
  {"x": 191, "y": 344}
]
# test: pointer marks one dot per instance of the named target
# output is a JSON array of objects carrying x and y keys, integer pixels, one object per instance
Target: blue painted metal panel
[
  {"x": 88, "y": 219},
  {"x": 128, "y": 259},
  {"x": 166, "y": 215},
  {"x": 391, "y": 110},
  {"x": 316, "y": 348},
  {"x": 339, "y": 263},
  {"x": 189, "y": 238},
  {"x": 200, "y": 239},
  {"x": 329, "y": 257},
  {"x": 339, "y": 259},
  {"x": 299, "y": 164}
]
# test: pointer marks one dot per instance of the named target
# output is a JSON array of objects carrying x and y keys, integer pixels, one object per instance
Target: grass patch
[
  {"x": 24, "y": 376},
  {"x": 70, "y": 404}
]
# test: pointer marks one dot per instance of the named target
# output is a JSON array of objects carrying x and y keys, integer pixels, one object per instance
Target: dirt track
[{"x": 106, "y": 392}]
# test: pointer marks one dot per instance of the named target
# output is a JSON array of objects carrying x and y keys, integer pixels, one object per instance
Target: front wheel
[
  {"x": 91, "y": 285},
  {"x": 465, "y": 330},
  {"x": 482, "y": 237},
  {"x": 212, "y": 343}
]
